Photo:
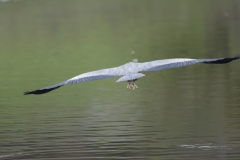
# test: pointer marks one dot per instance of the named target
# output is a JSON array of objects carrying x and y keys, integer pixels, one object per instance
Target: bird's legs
[
  {"x": 129, "y": 85},
  {"x": 132, "y": 86},
  {"x": 135, "y": 85}
]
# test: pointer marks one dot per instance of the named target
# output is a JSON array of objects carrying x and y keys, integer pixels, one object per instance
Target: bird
[{"x": 131, "y": 72}]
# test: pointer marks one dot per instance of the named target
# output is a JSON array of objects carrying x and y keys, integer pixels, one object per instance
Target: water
[{"x": 184, "y": 113}]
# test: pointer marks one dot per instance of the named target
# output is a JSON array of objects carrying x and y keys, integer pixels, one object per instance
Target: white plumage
[{"x": 131, "y": 71}]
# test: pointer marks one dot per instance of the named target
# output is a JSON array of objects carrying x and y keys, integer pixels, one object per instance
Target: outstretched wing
[
  {"x": 89, "y": 76},
  {"x": 180, "y": 62}
]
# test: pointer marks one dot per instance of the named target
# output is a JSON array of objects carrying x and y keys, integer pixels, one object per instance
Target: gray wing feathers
[
  {"x": 86, "y": 79},
  {"x": 168, "y": 63},
  {"x": 180, "y": 62},
  {"x": 95, "y": 75}
]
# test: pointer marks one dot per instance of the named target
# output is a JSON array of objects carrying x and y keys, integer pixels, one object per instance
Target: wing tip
[
  {"x": 41, "y": 91},
  {"x": 26, "y": 93},
  {"x": 237, "y": 57},
  {"x": 223, "y": 60}
]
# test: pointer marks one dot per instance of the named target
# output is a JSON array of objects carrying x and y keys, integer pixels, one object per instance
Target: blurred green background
[{"x": 43, "y": 42}]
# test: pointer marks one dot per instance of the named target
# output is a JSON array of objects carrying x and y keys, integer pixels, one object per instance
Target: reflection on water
[
  {"x": 205, "y": 146},
  {"x": 184, "y": 113}
]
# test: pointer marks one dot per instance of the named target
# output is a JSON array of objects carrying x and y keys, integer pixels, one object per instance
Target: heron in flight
[{"x": 130, "y": 72}]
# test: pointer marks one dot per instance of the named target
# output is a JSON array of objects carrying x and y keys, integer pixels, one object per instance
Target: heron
[{"x": 131, "y": 72}]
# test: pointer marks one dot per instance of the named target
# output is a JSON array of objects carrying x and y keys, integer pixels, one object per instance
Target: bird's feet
[
  {"x": 132, "y": 86},
  {"x": 135, "y": 86},
  {"x": 129, "y": 86}
]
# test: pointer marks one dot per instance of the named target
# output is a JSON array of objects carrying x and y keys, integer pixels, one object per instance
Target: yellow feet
[
  {"x": 132, "y": 86},
  {"x": 135, "y": 85},
  {"x": 129, "y": 86}
]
